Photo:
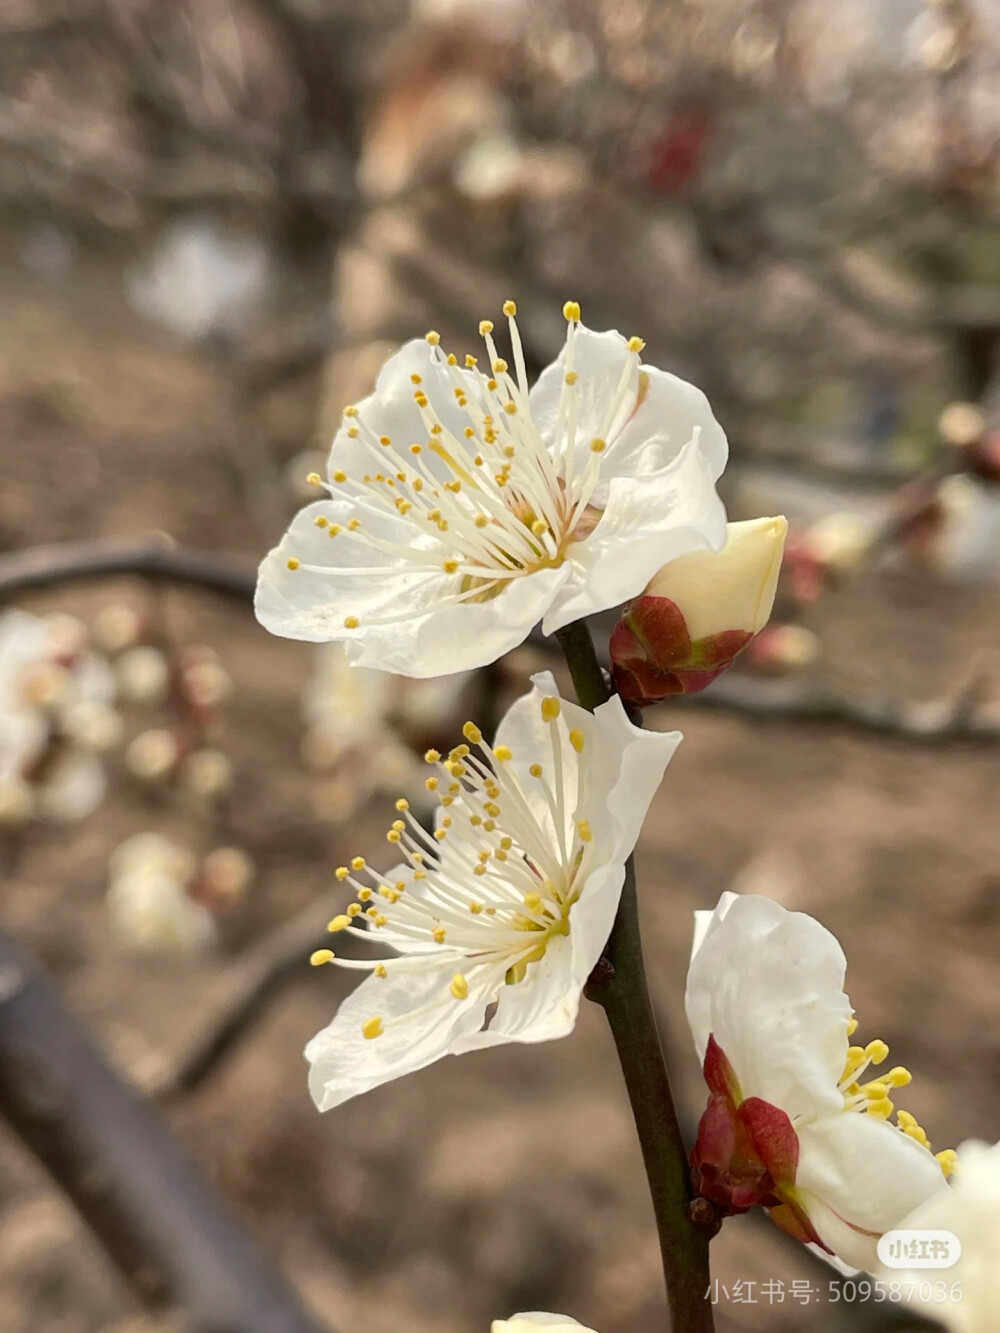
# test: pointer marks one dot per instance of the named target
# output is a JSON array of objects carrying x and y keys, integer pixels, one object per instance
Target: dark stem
[
  {"x": 619, "y": 987},
  {"x": 158, "y": 1219}
]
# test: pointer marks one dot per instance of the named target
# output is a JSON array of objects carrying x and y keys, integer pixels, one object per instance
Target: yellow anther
[
  {"x": 314, "y": 479},
  {"x": 432, "y": 757},
  {"x": 472, "y": 733},
  {"x": 905, "y": 1120},
  {"x": 438, "y": 934},
  {"x": 852, "y": 1026},
  {"x": 881, "y": 1110},
  {"x": 364, "y": 895},
  {"x": 321, "y": 956},
  {"x": 500, "y": 366},
  {"x": 450, "y": 566},
  {"x": 492, "y": 385},
  {"x": 506, "y": 843},
  {"x": 503, "y": 753},
  {"x": 877, "y": 1051},
  {"x": 583, "y": 828},
  {"x": 492, "y": 808},
  {"x": 475, "y": 908},
  {"x": 334, "y": 529},
  {"x": 535, "y": 770},
  {"x": 440, "y": 834},
  {"x": 394, "y": 836},
  {"x": 371, "y": 912},
  {"x": 380, "y": 919},
  {"x": 353, "y": 524},
  {"x": 420, "y": 398},
  {"x": 576, "y": 740},
  {"x": 431, "y": 784},
  {"x": 446, "y": 801},
  {"x": 433, "y": 337},
  {"x": 380, "y": 970},
  {"x": 479, "y": 870},
  {"x": 481, "y": 521},
  {"x": 855, "y": 1059},
  {"x": 917, "y": 1133},
  {"x": 510, "y": 408},
  {"x": 489, "y": 825},
  {"x": 350, "y": 410},
  {"x": 470, "y": 360},
  {"x": 876, "y": 1092},
  {"x": 459, "y": 987},
  {"x": 551, "y": 708},
  {"x": 385, "y": 439},
  {"x": 948, "y": 1161},
  {"x": 372, "y": 1028},
  {"x": 402, "y": 804},
  {"x": 446, "y": 821},
  {"x": 293, "y": 562},
  {"x": 416, "y": 379},
  {"x": 898, "y": 1077},
  {"x": 598, "y": 446},
  {"x": 532, "y": 901},
  {"x": 509, "y": 309},
  {"x": 353, "y": 432},
  {"x": 635, "y": 344},
  {"x": 571, "y": 377},
  {"x": 485, "y": 327},
  {"x": 571, "y": 310},
  {"x": 321, "y": 520},
  {"x": 342, "y": 872},
  {"x": 351, "y": 622},
  {"x": 452, "y": 359},
  {"x": 358, "y": 863},
  {"x": 416, "y": 448},
  {"x": 353, "y": 910},
  {"x": 340, "y": 475},
  {"x": 338, "y": 923}
]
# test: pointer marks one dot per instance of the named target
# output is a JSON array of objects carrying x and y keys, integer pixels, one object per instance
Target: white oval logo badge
[{"x": 919, "y": 1249}]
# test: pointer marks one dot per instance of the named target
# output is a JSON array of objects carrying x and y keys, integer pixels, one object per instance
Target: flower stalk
[{"x": 619, "y": 986}]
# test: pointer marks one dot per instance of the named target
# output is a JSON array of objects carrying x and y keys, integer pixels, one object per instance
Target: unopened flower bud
[
  {"x": 697, "y": 613},
  {"x": 961, "y": 424},
  {"x": 226, "y": 875},
  {"x": 206, "y": 773},
  {"x": 153, "y": 755},
  {"x": 143, "y": 675},
  {"x": 117, "y": 626}
]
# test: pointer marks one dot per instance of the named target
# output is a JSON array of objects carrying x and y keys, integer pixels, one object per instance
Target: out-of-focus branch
[
  {"x": 785, "y": 701},
  {"x": 160, "y": 1222},
  {"x": 153, "y": 557},
  {"x": 255, "y": 982}
]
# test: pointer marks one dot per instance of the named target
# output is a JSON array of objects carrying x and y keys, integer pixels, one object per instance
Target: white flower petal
[
  {"x": 858, "y": 1175},
  {"x": 769, "y": 984},
  {"x": 671, "y": 413},
  {"x": 649, "y": 520},
  {"x": 344, "y": 1063},
  {"x": 599, "y": 360},
  {"x": 542, "y": 1007},
  {"x": 525, "y": 1323}
]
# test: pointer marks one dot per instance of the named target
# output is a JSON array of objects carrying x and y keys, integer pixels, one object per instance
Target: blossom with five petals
[
  {"x": 970, "y": 1210},
  {"x": 497, "y": 919},
  {"x": 789, "y": 1123},
  {"x": 464, "y": 508}
]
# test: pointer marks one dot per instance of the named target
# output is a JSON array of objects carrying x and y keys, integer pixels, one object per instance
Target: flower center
[
  {"x": 482, "y": 897},
  {"x": 490, "y": 501},
  {"x": 874, "y": 1097}
]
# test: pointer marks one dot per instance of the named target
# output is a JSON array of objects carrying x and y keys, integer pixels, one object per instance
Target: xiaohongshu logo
[{"x": 919, "y": 1249}]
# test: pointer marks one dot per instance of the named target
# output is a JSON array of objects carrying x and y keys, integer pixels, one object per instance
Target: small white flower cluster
[
  {"x": 160, "y": 899},
  {"x": 461, "y": 507},
  {"x": 57, "y": 716}
]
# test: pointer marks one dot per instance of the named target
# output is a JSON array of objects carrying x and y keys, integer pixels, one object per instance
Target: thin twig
[
  {"x": 619, "y": 987},
  {"x": 164, "y": 1227}
]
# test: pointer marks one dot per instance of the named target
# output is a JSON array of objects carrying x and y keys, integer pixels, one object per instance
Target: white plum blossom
[
  {"x": 970, "y": 1210},
  {"x": 526, "y": 1323},
  {"x": 149, "y": 906},
  {"x": 56, "y": 715},
  {"x": 463, "y": 508},
  {"x": 790, "y": 1124},
  {"x": 495, "y": 920}
]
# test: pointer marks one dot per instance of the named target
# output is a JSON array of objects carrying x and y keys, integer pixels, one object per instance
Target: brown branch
[
  {"x": 255, "y": 982},
  {"x": 154, "y": 557},
  {"x": 164, "y": 1227}
]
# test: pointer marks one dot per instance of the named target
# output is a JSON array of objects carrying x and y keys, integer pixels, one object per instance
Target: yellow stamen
[
  {"x": 321, "y": 956},
  {"x": 372, "y": 1028}
]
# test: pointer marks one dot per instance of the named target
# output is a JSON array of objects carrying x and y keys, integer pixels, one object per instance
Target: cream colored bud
[
  {"x": 94, "y": 726},
  {"x": 840, "y": 540},
  {"x": 961, "y": 424},
  {"x": 206, "y": 773},
  {"x": 117, "y": 627},
  {"x": 153, "y": 755},
  {"x": 731, "y": 589},
  {"x": 227, "y": 873},
  {"x": 142, "y": 675}
]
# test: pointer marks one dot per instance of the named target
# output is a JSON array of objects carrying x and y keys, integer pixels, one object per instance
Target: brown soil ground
[{"x": 511, "y": 1179}]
